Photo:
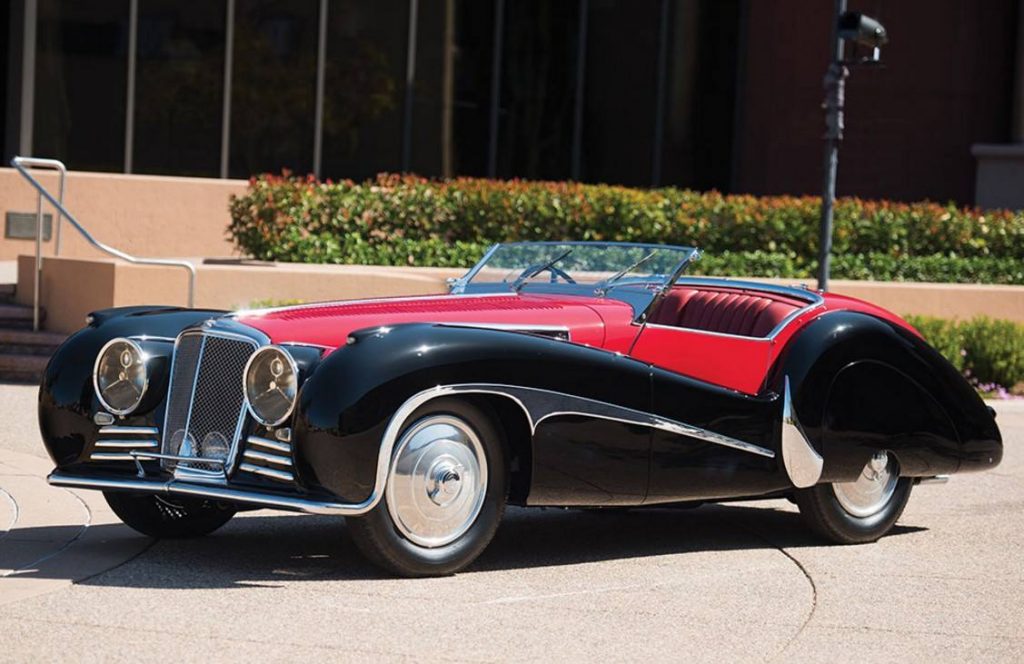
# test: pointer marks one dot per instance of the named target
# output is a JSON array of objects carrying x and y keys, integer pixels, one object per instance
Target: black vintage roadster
[{"x": 570, "y": 374}]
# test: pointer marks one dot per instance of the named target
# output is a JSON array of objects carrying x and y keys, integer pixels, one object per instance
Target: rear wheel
[
  {"x": 858, "y": 511},
  {"x": 445, "y": 494},
  {"x": 168, "y": 516}
]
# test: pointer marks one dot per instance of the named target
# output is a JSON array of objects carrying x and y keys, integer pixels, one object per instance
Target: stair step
[
  {"x": 22, "y": 368},
  {"x": 16, "y": 337},
  {"x": 18, "y": 316}
]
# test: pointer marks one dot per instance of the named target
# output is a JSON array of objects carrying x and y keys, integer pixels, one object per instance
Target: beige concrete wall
[
  {"x": 71, "y": 288},
  {"x": 941, "y": 300},
  {"x": 144, "y": 215}
]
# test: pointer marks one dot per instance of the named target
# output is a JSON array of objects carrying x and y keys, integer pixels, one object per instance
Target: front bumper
[{"x": 229, "y": 494}]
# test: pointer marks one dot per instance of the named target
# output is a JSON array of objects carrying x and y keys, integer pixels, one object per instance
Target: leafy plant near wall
[
  {"x": 407, "y": 220},
  {"x": 989, "y": 352}
]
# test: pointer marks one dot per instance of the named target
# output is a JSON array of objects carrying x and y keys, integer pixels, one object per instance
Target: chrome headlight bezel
[
  {"x": 142, "y": 359},
  {"x": 290, "y": 365}
]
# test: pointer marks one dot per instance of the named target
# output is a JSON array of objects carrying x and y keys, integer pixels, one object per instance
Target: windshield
[{"x": 594, "y": 268}]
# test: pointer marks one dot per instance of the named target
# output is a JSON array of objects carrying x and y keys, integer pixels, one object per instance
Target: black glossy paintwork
[
  {"x": 861, "y": 384},
  {"x": 586, "y": 461},
  {"x": 684, "y": 468}
]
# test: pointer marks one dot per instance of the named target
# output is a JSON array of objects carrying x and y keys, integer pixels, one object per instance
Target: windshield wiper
[
  {"x": 602, "y": 287},
  {"x": 532, "y": 272}
]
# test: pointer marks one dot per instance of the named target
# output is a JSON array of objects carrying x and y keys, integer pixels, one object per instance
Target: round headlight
[
  {"x": 120, "y": 376},
  {"x": 271, "y": 384}
]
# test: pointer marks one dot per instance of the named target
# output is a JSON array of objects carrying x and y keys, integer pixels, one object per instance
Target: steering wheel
[{"x": 556, "y": 273}]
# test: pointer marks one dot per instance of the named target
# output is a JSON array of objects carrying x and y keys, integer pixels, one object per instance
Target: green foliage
[
  {"x": 406, "y": 220},
  {"x": 990, "y": 352}
]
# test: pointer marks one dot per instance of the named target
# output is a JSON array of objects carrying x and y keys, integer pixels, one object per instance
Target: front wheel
[
  {"x": 168, "y": 517},
  {"x": 859, "y": 511},
  {"x": 445, "y": 493}
]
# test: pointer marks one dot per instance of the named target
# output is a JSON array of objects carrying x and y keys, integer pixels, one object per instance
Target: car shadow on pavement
[{"x": 257, "y": 549}]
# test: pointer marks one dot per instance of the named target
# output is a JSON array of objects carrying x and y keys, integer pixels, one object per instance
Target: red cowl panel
[{"x": 330, "y": 323}]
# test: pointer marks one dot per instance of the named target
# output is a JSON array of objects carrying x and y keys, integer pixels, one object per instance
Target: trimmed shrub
[
  {"x": 407, "y": 220},
  {"x": 989, "y": 352}
]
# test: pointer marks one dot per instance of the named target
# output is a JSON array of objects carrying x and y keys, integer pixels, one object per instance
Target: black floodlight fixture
[{"x": 862, "y": 30}]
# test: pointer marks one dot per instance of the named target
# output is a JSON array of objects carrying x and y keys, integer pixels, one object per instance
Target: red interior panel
[{"x": 727, "y": 311}]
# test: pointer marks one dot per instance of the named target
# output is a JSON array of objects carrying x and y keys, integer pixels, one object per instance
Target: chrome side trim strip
[
  {"x": 267, "y": 472},
  {"x": 935, "y": 479},
  {"x": 269, "y": 444},
  {"x": 128, "y": 431},
  {"x": 803, "y": 463},
  {"x": 128, "y": 444},
  {"x": 561, "y": 331},
  {"x": 267, "y": 458},
  {"x": 720, "y": 282}
]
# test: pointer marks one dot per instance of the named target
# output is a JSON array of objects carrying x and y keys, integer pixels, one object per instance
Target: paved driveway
[{"x": 723, "y": 583}]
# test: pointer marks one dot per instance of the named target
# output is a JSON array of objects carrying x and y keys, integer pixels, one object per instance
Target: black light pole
[
  {"x": 835, "y": 92},
  {"x": 860, "y": 30}
]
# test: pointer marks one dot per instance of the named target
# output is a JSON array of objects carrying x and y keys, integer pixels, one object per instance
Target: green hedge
[
  {"x": 989, "y": 352},
  {"x": 413, "y": 221}
]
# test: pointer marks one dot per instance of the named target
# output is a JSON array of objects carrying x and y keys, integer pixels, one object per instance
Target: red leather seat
[{"x": 739, "y": 312}]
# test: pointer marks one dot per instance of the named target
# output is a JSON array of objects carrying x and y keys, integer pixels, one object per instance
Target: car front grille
[{"x": 206, "y": 401}]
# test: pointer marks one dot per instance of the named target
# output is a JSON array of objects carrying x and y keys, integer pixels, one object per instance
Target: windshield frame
[{"x": 639, "y": 292}]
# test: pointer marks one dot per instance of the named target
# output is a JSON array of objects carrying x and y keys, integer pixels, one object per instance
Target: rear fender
[{"x": 860, "y": 384}]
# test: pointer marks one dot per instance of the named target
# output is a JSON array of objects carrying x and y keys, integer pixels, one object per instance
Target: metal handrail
[{"x": 22, "y": 164}]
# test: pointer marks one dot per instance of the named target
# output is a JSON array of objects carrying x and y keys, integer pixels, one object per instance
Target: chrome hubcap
[
  {"x": 438, "y": 481},
  {"x": 870, "y": 493}
]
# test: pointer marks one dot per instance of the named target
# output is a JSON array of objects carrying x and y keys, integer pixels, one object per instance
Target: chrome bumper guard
[{"x": 211, "y": 491}]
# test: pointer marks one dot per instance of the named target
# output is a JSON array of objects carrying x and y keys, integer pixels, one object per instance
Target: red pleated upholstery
[{"x": 727, "y": 311}]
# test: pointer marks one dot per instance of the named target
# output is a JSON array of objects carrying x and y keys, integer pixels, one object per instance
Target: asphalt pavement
[{"x": 737, "y": 582}]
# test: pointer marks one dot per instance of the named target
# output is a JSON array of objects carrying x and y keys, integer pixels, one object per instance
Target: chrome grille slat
[
  {"x": 273, "y": 445},
  {"x": 127, "y": 444},
  {"x": 206, "y": 401},
  {"x": 128, "y": 431},
  {"x": 266, "y": 457},
  {"x": 268, "y": 463},
  {"x": 267, "y": 472}
]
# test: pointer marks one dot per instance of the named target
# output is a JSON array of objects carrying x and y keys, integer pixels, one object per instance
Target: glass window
[
  {"x": 538, "y": 89},
  {"x": 425, "y": 151},
  {"x": 81, "y": 83},
  {"x": 620, "y": 91},
  {"x": 274, "y": 86},
  {"x": 179, "y": 87},
  {"x": 700, "y": 94},
  {"x": 471, "y": 87},
  {"x": 364, "y": 83}
]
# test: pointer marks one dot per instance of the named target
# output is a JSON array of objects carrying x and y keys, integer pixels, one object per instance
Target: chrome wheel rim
[
  {"x": 871, "y": 492},
  {"x": 438, "y": 481}
]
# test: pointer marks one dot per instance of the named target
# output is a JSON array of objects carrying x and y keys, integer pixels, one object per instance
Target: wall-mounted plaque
[{"x": 22, "y": 226}]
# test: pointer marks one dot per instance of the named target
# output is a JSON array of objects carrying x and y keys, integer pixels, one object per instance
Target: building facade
[{"x": 722, "y": 94}]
